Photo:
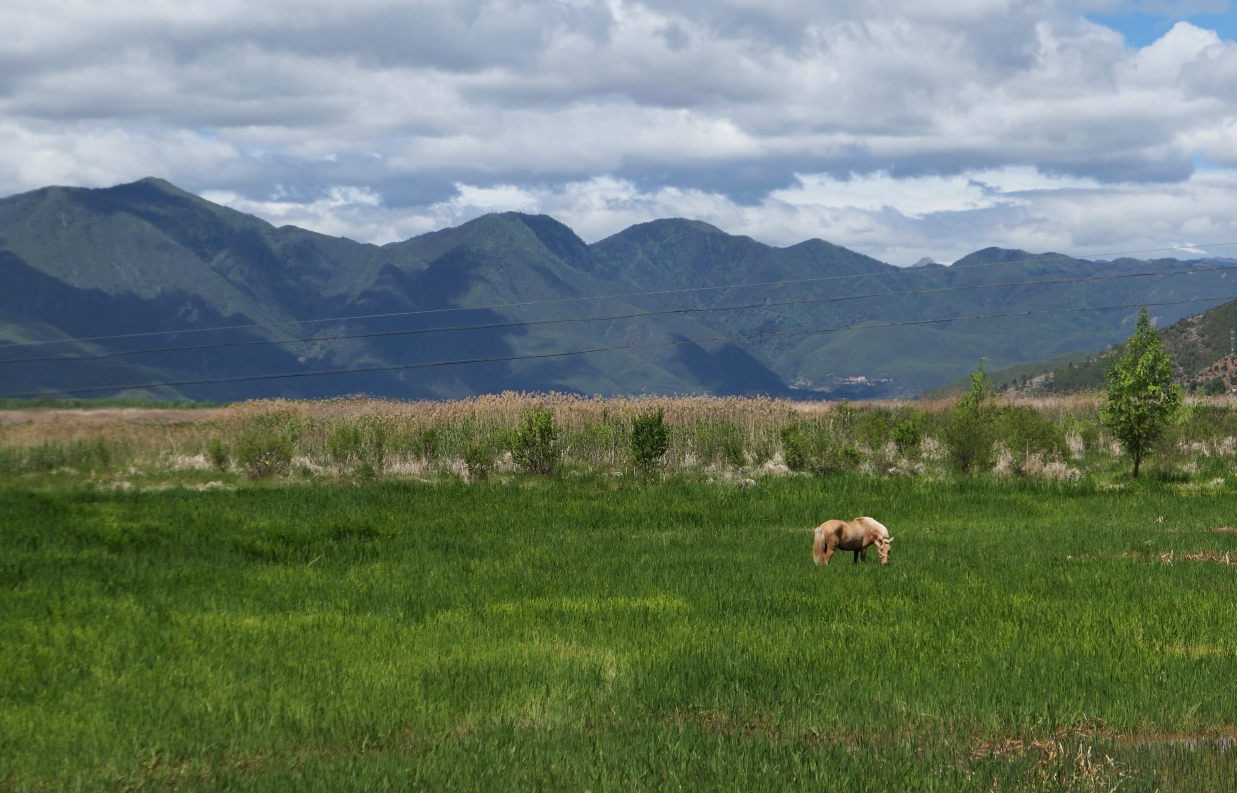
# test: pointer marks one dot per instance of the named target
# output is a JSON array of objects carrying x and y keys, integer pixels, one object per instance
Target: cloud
[
  {"x": 897, "y": 220},
  {"x": 902, "y": 128}
]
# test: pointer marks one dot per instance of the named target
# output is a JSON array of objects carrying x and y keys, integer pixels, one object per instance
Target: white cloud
[
  {"x": 902, "y": 128},
  {"x": 896, "y": 220}
]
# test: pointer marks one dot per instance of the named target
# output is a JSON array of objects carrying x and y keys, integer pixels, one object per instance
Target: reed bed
[{"x": 733, "y": 437}]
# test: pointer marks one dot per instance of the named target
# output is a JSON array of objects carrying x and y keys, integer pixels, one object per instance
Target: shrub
[
  {"x": 535, "y": 445},
  {"x": 650, "y": 438},
  {"x": 794, "y": 448},
  {"x": 377, "y": 435},
  {"x": 366, "y": 472},
  {"x": 1026, "y": 432},
  {"x": 906, "y": 436},
  {"x": 715, "y": 442},
  {"x": 1214, "y": 387},
  {"x": 102, "y": 454},
  {"x": 365, "y": 443},
  {"x": 344, "y": 445},
  {"x": 264, "y": 454},
  {"x": 479, "y": 460},
  {"x": 733, "y": 451},
  {"x": 843, "y": 459},
  {"x": 969, "y": 430},
  {"x": 817, "y": 448},
  {"x": 873, "y": 428},
  {"x": 426, "y": 443},
  {"x": 218, "y": 454},
  {"x": 1090, "y": 434}
]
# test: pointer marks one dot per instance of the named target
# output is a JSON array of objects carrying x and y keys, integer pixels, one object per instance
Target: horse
[{"x": 855, "y": 535}]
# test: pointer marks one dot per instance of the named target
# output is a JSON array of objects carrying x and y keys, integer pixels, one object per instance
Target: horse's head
[{"x": 882, "y": 547}]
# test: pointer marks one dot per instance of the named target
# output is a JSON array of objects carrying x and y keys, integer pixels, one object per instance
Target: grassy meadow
[
  {"x": 363, "y": 594},
  {"x": 599, "y": 632}
]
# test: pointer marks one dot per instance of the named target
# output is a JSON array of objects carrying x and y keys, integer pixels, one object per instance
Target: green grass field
[{"x": 604, "y": 635}]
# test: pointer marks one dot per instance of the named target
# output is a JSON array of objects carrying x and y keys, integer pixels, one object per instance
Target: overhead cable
[
  {"x": 608, "y": 318},
  {"x": 546, "y": 355},
  {"x": 653, "y": 293}
]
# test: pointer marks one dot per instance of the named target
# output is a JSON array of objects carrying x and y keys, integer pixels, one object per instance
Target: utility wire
[
  {"x": 541, "y": 356},
  {"x": 610, "y": 318},
  {"x": 900, "y": 271}
]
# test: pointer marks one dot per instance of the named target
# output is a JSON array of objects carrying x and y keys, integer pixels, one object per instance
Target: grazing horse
[{"x": 855, "y": 535}]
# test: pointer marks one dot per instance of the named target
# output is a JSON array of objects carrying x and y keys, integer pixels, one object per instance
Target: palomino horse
[{"x": 855, "y": 535}]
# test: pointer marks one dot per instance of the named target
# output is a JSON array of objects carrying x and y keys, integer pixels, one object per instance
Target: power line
[
  {"x": 541, "y": 356},
  {"x": 524, "y": 304},
  {"x": 610, "y": 318}
]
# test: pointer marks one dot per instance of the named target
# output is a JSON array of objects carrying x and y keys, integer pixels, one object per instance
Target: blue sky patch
[{"x": 1141, "y": 29}]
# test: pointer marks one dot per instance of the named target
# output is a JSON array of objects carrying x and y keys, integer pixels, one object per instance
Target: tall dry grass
[{"x": 595, "y": 432}]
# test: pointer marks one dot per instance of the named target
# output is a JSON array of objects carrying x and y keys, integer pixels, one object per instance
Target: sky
[{"x": 899, "y": 128}]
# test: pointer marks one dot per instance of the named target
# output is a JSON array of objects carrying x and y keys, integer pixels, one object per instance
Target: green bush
[
  {"x": 1026, "y": 432},
  {"x": 218, "y": 454},
  {"x": 817, "y": 448},
  {"x": 906, "y": 436},
  {"x": 356, "y": 444},
  {"x": 102, "y": 454},
  {"x": 365, "y": 472},
  {"x": 378, "y": 436},
  {"x": 264, "y": 454},
  {"x": 969, "y": 435},
  {"x": 874, "y": 428},
  {"x": 717, "y": 442},
  {"x": 650, "y": 438},
  {"x": 426, "y": 443},
  {"x": 344, "y": 445},
  {"x": 794, "y": 448},
  {"x": 1214, "y": 387},
  {"x": 51, "y": 455},
  {"x": 601, "y": 442},
  {"x": 535, "y": 444},
  {"x": 479, "y": 460}
]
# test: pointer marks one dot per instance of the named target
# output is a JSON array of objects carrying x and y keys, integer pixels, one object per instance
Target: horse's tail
[{"x": 818, "y": 546}]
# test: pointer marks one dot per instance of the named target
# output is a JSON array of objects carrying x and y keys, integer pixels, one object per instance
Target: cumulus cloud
[{"x": 905, "y": 128}]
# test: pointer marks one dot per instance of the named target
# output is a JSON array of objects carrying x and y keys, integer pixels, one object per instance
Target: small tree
[
  {"x": 536, "y": 441},
  {"x": 1142, "y": 398},
  {"x": 968, "y": 432},
  {"x": 650, "y": 438}
]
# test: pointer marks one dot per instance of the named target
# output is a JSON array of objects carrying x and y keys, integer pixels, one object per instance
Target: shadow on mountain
[
  {"x": 729, "y": 371},
  {"x": 30, "y": 294},
  {"x": 436, "y": 290}
]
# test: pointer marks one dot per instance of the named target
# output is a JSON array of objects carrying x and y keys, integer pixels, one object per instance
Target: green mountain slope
[
  {"x": 908, "y": 359},
  {"x": 1200, "y": 347},
  {"x": 147, "y": 265}
]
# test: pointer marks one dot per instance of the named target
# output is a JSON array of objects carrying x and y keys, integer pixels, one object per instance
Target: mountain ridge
[{"x": 147, "y": 257}]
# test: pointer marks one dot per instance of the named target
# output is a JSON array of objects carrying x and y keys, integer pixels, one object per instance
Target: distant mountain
[
  {"x": 148, "y": 258},
  {"x": 1201, "y": 348}
]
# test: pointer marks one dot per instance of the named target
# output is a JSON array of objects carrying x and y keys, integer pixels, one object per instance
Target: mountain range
[{"x": 90, "y": 278}]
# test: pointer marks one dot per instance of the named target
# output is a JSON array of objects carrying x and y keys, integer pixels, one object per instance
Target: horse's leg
[
  {"x": 829, "y": 549},
  {"x": 856, "y": 557},
  {"x": 863, "y": 554}
]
